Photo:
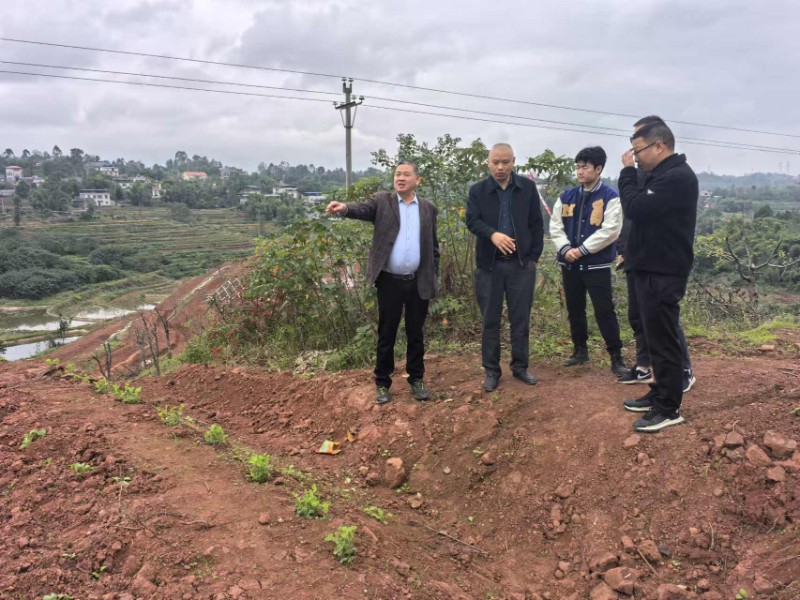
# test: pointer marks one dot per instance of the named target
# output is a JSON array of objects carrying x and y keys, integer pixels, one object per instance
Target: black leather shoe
[
  {"x": 491, "y": 382},
  {"x": 526, "y": 377},
  {"x": 383, "y": 395},
  {"x": 618, "y": 367},
  {"x": 580, "y": 356}
]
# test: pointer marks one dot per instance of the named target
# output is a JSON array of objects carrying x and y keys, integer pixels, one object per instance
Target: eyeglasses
[{"x": 640, "y": 150}]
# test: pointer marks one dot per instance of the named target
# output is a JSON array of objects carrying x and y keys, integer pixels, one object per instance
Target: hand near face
[
  {"x": 336, "y": 208},
  {"x": 627, "y": 159},
  {"x": 505, "y": 244}
]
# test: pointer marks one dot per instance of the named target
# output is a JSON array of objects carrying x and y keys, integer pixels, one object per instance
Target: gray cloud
[{"x": 727, "y": 62}]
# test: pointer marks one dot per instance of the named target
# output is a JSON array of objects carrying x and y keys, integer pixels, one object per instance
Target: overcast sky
[{"x": 724, "y": 62}]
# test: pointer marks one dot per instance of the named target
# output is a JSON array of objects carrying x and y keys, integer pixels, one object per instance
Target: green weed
[
  {"x": 80, "y": 468},
  {"x": 32, "y": 436},
  {"x": 57, "y": 597},
  {"x": 309, "y": 504},
  {"x": 259, "y": 468},
  {"x": 377, "y": 513},
  {"x": 215, "y": 435},
  {"x": 344, "y": 543},
  {"x": 295, "y": 473},
  {"x": 171, "y": 416},
  {"x": 127, "y": 393},
  {"x": 102, "y": 386}
]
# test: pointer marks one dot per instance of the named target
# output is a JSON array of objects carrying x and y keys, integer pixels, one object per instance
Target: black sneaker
[
  {"x": 491, "y": 382},
  {"x": 688, "y": 380},
  {"x": 419, "y": 391},
  {"x": 643, "y": 404},
  {"x": 636, "y": 375},
  {"x": 383, "y": 395},
  {"x": 656, "y": 420}
]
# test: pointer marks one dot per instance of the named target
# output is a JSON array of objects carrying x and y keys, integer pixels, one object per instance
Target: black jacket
[
  {"x": 483, "y": 217},
  {"x": 662, "y": 210}
]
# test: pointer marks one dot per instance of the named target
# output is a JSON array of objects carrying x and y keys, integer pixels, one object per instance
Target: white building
[
  {"x": 13, "y": 174},
  {"x": 99, "y": 197},
  {"x": 286, "y": 190},
  {"x": 109, "y": 170}
]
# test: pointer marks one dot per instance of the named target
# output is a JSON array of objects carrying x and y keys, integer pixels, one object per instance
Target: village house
[
  {"x": 13, "y": 174},
  {"x": 194, "y": 175},
  {"x": 97, "y": 197}
]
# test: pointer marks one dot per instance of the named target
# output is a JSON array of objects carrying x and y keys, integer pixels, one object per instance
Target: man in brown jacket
[{"x": 404, "y": 267}]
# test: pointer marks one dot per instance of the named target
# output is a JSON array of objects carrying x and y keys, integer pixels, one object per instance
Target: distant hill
[{"x": 711, "y": 180}]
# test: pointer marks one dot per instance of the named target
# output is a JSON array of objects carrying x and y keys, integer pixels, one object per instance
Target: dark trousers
[
  {"x": 598, "y": 284},
  {"x": 395, "y": 295},
  {"x": 634, "y": 318},
  {"x": 659, "y": 297},
  {"x": 508, "y": 281}
]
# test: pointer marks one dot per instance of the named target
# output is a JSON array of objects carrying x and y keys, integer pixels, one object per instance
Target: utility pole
[{"x": 348, "y": 120}]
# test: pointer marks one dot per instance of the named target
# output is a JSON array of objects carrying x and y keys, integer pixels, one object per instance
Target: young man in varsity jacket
[{"x": 586, "y": 222}]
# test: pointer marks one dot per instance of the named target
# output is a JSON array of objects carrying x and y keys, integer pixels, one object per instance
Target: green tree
[{"x": 765, "y": 210}]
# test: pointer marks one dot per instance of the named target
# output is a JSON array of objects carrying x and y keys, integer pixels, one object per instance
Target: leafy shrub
[
  {"x": 259, "y": 468},
  {"x": 171, "y": 416},
  {"x": 129, "y": 394},
  {"x": 197, "y": 351},
  {"x": 102, "y": 386},
  {"x": 215, "y": 435},
  {"x": 310, "y": 505},
  {"x": 344, "y": 543}
]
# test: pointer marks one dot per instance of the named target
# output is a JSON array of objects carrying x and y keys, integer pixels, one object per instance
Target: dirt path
[{"x": 527, "y": 493}]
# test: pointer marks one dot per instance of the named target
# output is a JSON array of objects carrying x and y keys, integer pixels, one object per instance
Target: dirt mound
[{"x": 525, "y": 493}]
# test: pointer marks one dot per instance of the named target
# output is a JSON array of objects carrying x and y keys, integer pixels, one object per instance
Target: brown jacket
[{"x": 383, "y": 212}]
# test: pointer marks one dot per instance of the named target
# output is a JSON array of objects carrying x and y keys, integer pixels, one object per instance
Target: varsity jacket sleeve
[
  {"x": 609, "y": 231},
  {"x": 475, "y": 223},
  {"x": 660, "y": 196},
  {"x": 557, "y": 233}
]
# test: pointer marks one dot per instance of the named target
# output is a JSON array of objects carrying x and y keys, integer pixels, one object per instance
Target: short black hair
[
  {"x": 409, "y": 162},
  {"x": 593, "y": 155},
  {"x": 655, "y": 132},
  {"x": 648, "y": 120}
]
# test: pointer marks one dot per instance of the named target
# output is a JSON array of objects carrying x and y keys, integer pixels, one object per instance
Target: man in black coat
[
  {"x": 503, "y": 212},
  {"x": 662, "y": 209}
]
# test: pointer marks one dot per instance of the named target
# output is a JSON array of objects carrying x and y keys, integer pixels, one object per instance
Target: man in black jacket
[
  {"x": 642, "y": 371},
  {"x": 503, "y": 212},
  {"x": 662, "y": 209}
]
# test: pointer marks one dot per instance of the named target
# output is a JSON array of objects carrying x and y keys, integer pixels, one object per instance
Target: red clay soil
[{"x": 530, "y": 493}]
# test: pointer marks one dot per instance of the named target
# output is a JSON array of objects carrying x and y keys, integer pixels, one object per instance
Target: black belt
[
  {"x": 512, "y": 256},
  {"x": 409, "y": 277}
]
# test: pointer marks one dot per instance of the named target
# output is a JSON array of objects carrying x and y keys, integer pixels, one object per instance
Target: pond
[
  {"x": 103, "y": 314},
  {"x": 22, "y": 351}
]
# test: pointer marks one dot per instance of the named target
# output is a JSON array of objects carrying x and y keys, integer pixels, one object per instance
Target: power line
[
  {"x": 730, "y": 145},
  {"x": 408, "y": 102},
  {"x": 161, "y": 85},
  {"x": 189, "y": 79},
  {"x": 387, "y": 83}
]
